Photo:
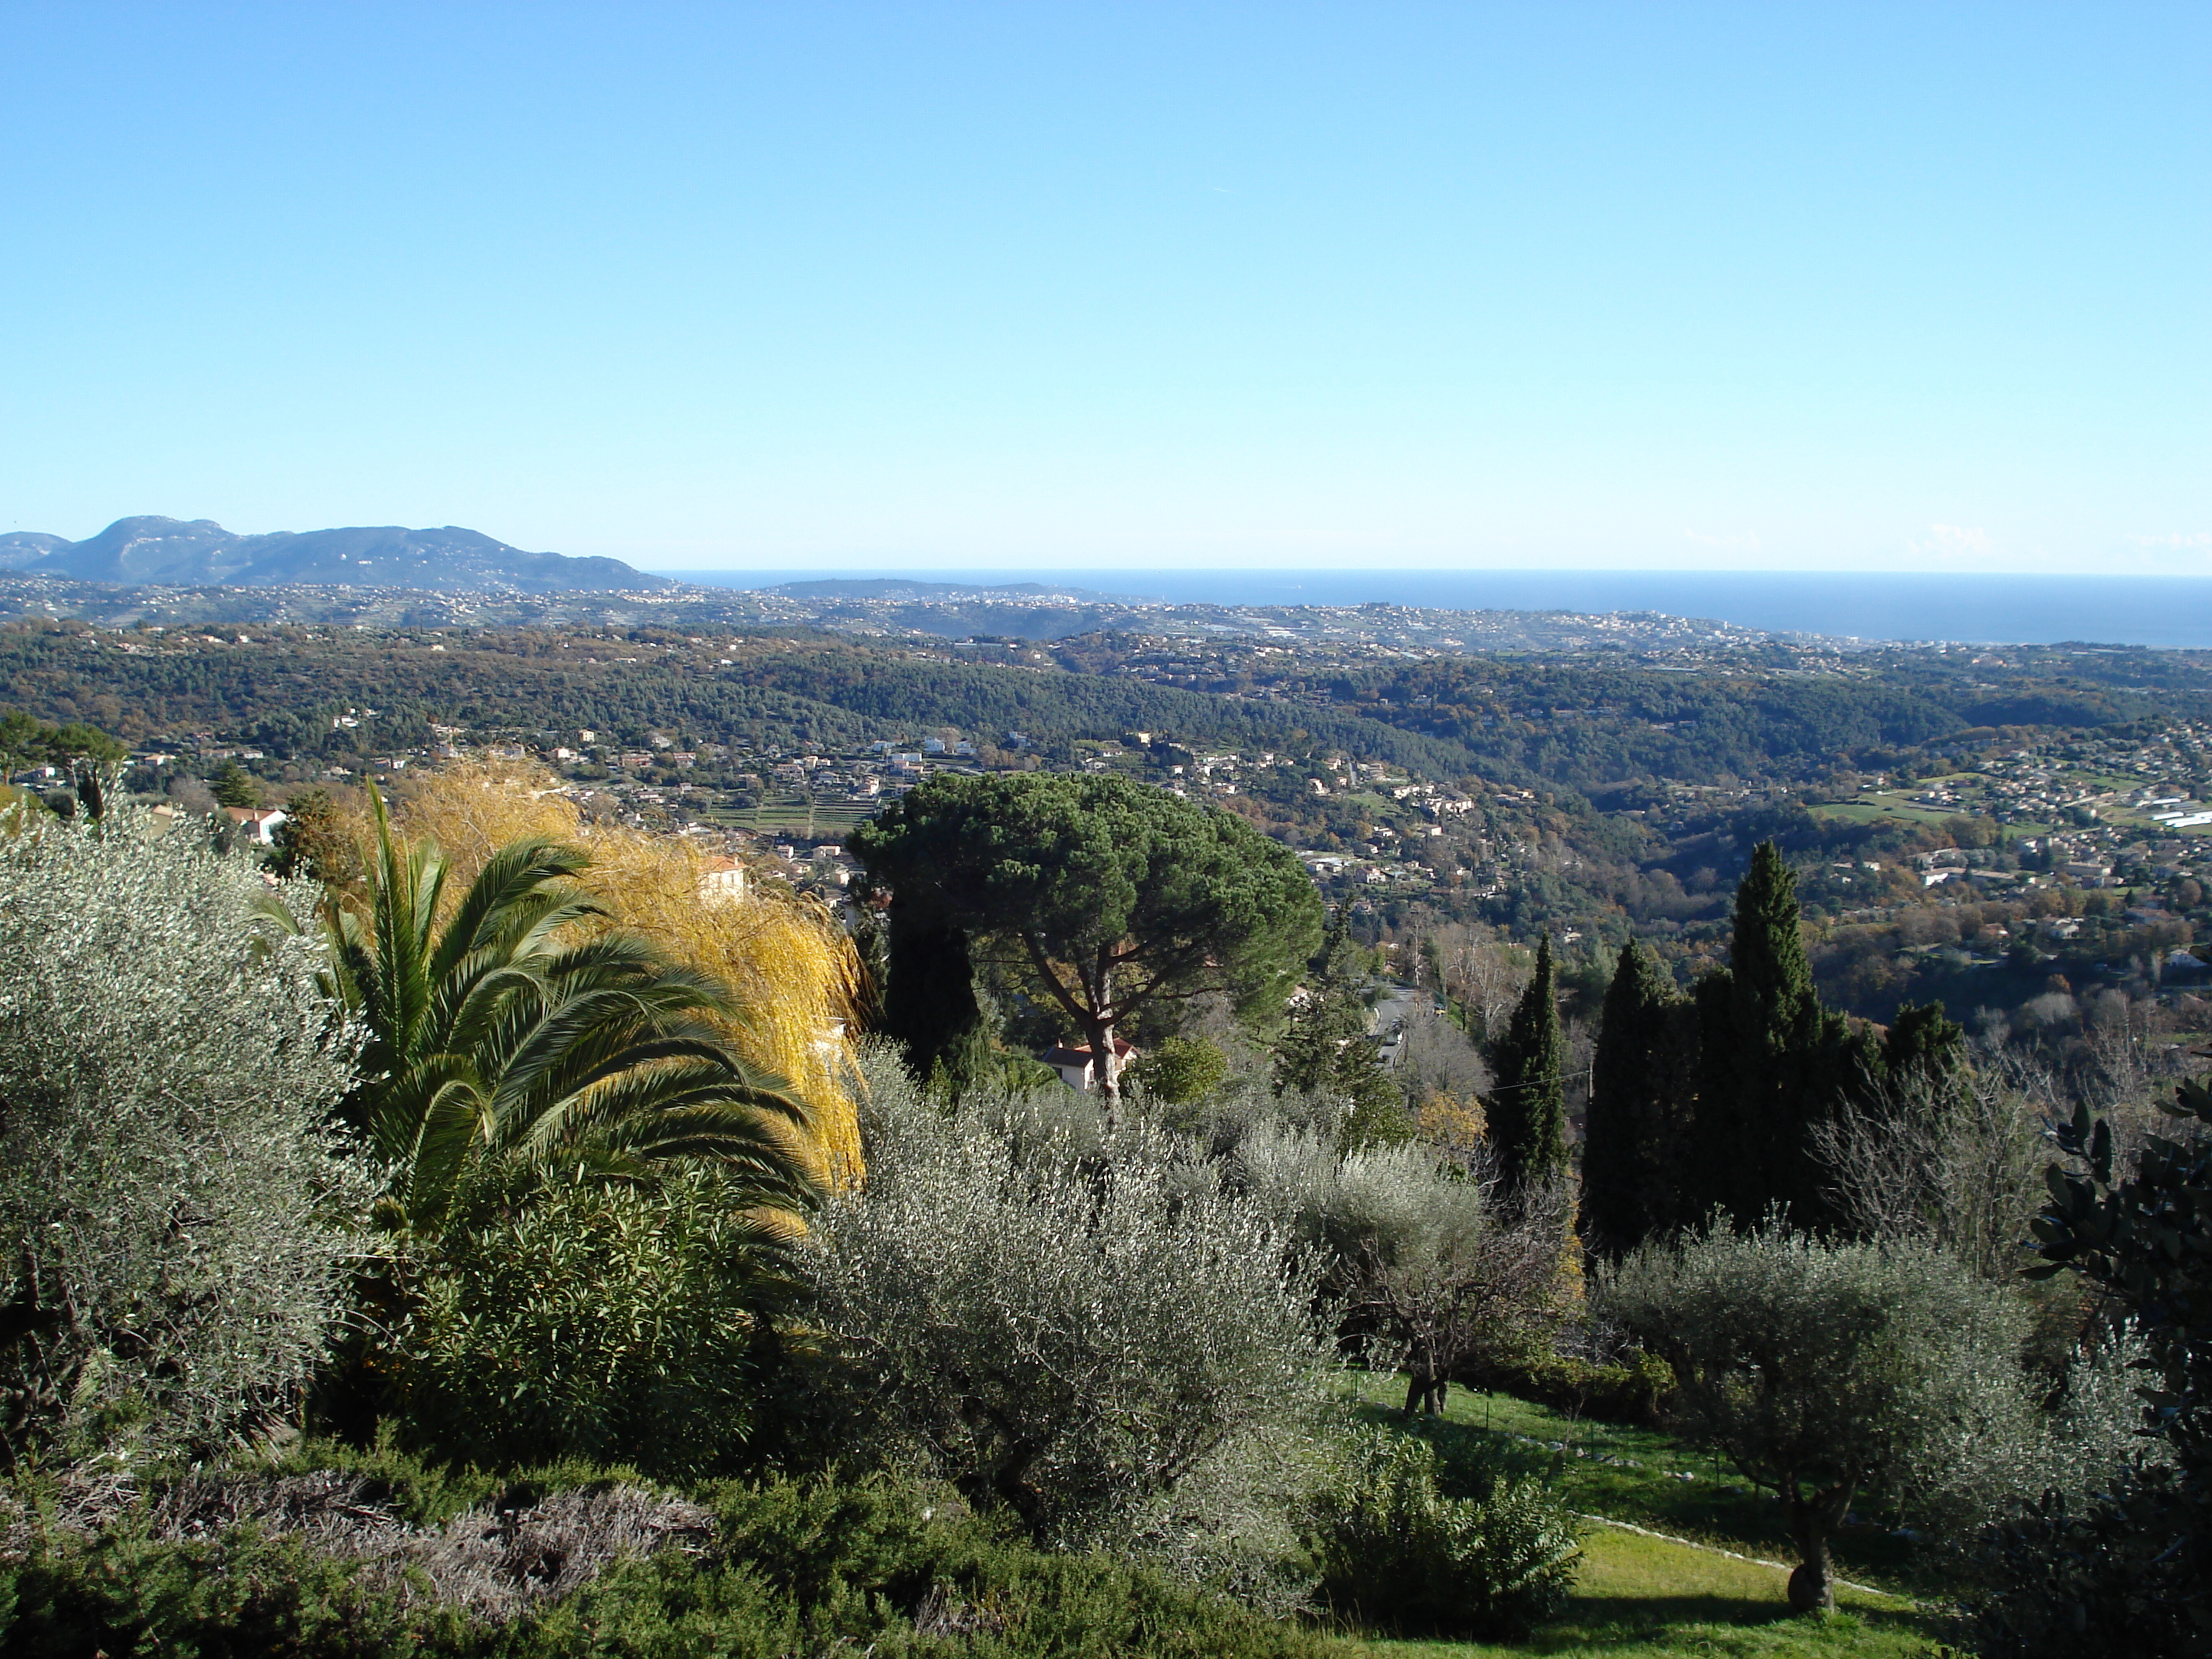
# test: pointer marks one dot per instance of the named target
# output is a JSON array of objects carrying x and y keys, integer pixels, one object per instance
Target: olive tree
[
  {"x": 1070, "y": 1321},
  {"x": 1823, "y": 1370},
  {"x": 1432, "y": 1269},
  {"x": 1112, "y": 897},
  {"x": 171, "y": 1205}
]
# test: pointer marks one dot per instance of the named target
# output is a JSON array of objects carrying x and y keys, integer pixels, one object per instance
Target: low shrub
[
  {"x": 746, "y": 1572},
  {"x": 602, "y": 1323},
  {"x": 1635, "y": 1391},
  {"x": 1394, "y": 1551}
]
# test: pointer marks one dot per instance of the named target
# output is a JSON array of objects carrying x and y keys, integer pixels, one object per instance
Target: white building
[
  {"x": 1076, "y": 1066},
  {"x": 258, "y": 822}
]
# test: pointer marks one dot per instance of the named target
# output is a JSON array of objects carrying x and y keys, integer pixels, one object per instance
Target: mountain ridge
[{"x": 148, "y": 548}]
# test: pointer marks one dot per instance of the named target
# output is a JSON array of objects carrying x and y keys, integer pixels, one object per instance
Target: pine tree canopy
[{"x": 1110, "y": 895}]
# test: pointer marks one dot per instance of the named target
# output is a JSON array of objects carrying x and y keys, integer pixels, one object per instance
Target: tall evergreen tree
[
  {"x": 929, "y": 1006},
  {"x": 1777, "y": 1019},
  {"x": 1924, "y": 1049},
  {"x": 1528, "y": 1108},
  {"x": 1642, "y": 1087},
  {"x": 235, "y": 787},
  {"x": 1329, "y": 1011},
  {"x": 1774, "y": 1062}
]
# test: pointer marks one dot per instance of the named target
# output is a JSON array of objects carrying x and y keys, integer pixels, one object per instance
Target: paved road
[{"x": 1397, "y": 1006}]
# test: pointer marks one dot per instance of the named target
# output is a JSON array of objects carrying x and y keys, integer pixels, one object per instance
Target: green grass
[
  {"x": 793, "y": 815},
  {"x": 1869, "y": 809},
  {"x": 1641, "y": 1597},
  {"x": 1639, "y": 1475}
]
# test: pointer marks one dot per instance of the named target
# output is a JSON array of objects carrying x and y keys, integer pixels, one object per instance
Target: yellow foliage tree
[
  {"x": 1455, "y": 1124},
  {"x": 791, "y": 965}
]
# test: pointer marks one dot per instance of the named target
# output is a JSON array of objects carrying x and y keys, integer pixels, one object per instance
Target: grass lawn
[
  {"x": 1647, "y": 1596},
  {"x": 793, "y": 815},
  {"x": 1869, "y": 809},
  {"x": 1639, "y": 1598}
]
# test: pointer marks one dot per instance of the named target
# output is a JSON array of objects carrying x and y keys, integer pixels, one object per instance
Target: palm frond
[{"x": 504, "y": 1048}]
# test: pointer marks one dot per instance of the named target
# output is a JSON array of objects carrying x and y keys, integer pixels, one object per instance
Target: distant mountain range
[{"x": 197, "y": 552}]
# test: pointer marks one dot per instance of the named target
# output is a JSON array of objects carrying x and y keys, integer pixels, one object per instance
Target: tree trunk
[
  {"x": 1106, "y": 1069},
  {"x": 1813, "y": 1521},
  {"x": 1424, "y": 1395},
  {"x": 1105, "y": 1064}
]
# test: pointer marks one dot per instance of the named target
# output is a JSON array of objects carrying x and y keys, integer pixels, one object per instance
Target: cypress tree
[
  {"x": 1329, "y": 1015},
  {"x": 1528, "y": 1107},
  {"x": 1924, "y": 1048},
  {"x": 1775, "y": 1063},
  {"x": 1710, "y": 1178},
  {"x": 1642, "y": 1094},
  {"x": 929, "y": 1006},
  {"x": 1325, "y": 1048},
  {"x": 1777, "y": 1019}
]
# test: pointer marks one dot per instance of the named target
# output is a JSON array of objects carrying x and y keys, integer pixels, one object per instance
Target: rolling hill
[{"x": 150, "y": 549}]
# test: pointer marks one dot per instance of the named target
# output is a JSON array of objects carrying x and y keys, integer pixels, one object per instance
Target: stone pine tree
[
  {"x": 1528, "y": 1106},
  {"x": 1110, "y": 899},
  {"x": 1643, "y": 1089},
  {"x": 1774, "y": 1063}
]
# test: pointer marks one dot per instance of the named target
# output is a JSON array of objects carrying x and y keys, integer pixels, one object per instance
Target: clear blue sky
[{"x": 1778, "y": 286}]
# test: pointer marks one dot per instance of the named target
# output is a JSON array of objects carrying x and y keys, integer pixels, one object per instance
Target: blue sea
[{"x": 2154, "y": 610}]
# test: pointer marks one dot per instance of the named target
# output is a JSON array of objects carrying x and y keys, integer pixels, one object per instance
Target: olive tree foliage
[
  {"x": 1827, "y": 1370},
  {"x": 173, "y": 1207},
  {"x": 1434, "y": 1270},
  {"x": 1070, "y": 1321},
  {"x": 2014, "y": 1442}
]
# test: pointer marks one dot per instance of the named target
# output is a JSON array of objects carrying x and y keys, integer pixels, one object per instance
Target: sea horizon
[{"x": 2166, "y": 611}]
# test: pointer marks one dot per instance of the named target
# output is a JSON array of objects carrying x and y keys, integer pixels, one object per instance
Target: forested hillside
[{"x": 1595, "y": 793}]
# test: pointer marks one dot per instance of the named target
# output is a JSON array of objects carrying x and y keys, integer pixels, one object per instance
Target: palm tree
[{"x": 524, "y": 1038}]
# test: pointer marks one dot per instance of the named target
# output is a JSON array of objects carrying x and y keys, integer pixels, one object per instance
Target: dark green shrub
[
  {"x": 603, "y": 1323},
  {"x": 1179, "y": 1070},
  {"x": 791, "y": 1567},
  {"x": 123, "y": 1591},
  {"x": 1635, "y": 1392},
  {"x": 2113, "y": 1576},
  {"x": 1395, "y": 1552}
]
